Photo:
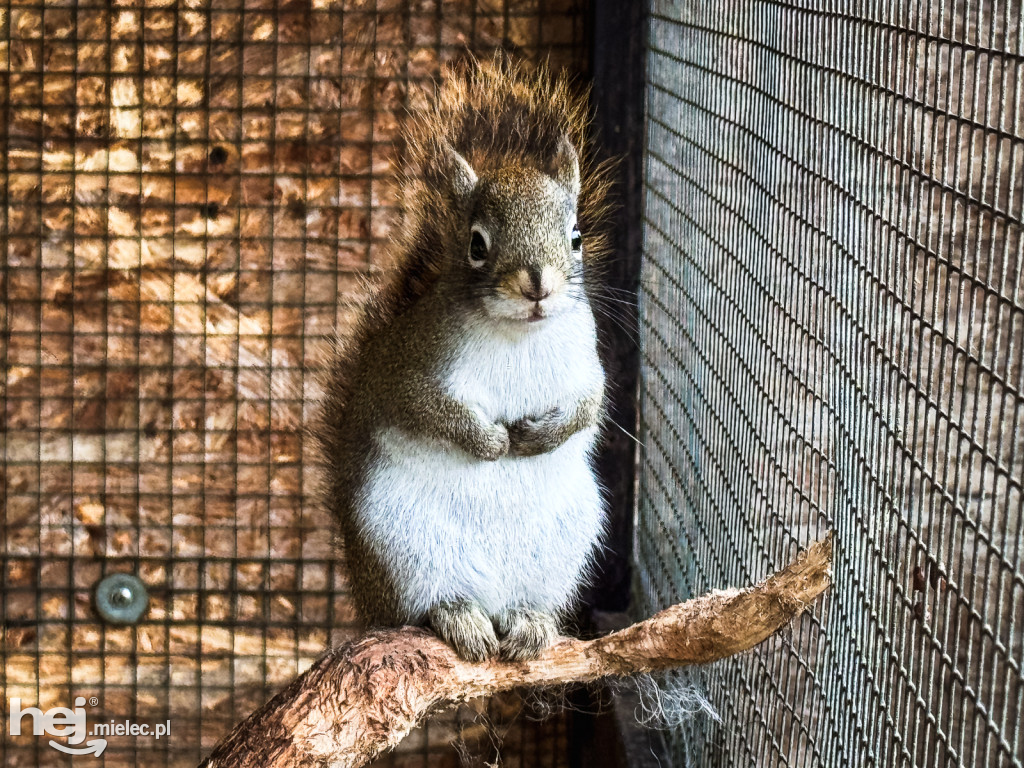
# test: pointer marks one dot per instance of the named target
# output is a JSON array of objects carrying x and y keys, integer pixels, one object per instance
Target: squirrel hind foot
[
  {"x": 525, "y": 633},
  {"x": 466, "y": 628}
]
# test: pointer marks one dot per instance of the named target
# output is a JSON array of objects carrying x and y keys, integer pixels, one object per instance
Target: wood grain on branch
[{"x": 361, "y": 699}]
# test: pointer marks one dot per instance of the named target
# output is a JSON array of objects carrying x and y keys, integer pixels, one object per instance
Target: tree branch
[{"x": 364, "y": 697}]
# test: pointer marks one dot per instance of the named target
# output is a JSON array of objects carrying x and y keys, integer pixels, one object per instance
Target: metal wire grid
[
  {"x": 191, "y": 193},
  {"x": 832, "y": 317}
]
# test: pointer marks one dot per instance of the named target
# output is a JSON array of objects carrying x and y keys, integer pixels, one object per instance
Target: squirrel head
[
  {"x": 518, "y": 251},
  {"x": 497, "y": 167}
]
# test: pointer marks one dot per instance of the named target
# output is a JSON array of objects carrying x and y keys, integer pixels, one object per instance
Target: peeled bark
[{"x": 363, "y": 698}]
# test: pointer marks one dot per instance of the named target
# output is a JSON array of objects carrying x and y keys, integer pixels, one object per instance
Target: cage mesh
[
  {"x": 191, "y": 197},
  {"x": 832, "y": 321}
]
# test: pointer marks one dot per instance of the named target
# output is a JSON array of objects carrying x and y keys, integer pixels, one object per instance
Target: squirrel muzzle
[{"x": 534, "y": 289}]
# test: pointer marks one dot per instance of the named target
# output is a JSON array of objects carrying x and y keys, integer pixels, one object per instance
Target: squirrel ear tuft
[
  {"x": 565, "y": 166},
  {"x": 461, "y": 177}
]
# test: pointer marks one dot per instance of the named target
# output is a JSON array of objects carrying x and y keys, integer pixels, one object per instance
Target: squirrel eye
[
  {"x": 477, "y": 248},
  {"x": 577, "y": 240}
]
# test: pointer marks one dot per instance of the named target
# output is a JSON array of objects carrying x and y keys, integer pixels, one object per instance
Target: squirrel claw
[
  {"x": 465, "y": 628},
  {"x": 526, "y": 633}
]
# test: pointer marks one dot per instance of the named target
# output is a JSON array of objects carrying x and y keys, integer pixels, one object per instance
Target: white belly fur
[{"x": 513, "y": 532}]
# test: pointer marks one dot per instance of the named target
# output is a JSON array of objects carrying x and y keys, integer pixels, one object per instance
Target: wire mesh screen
[
  {"x": 833, "y": 338},
  {"x": 192, "y": 195}
]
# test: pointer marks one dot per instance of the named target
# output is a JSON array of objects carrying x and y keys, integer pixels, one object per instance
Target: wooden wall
[{"x": 193, "y": 196}]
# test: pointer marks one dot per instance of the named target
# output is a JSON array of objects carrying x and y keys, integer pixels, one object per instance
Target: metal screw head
[{"x": 121, "y": 598}]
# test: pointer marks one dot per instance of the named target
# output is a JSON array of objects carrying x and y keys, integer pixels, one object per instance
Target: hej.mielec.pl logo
[{"x": 70, "y": 724}]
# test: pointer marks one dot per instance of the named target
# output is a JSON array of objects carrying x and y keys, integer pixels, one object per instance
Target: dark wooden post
[{"x": 618, "y": 43}]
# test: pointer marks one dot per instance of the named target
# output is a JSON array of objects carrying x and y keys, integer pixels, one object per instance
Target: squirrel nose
[
  {"x": 535, "y": 285},
  {"x": 535, "y": 294}
]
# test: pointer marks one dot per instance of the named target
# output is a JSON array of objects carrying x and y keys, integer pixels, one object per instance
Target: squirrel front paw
[
  {"x": 466, "y": 628},
  {"x": 536, "y": 435},
  {"x": 495, "y": 443}
]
